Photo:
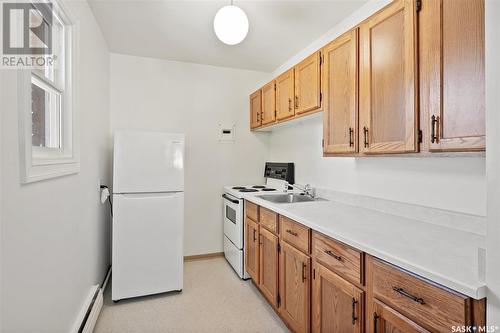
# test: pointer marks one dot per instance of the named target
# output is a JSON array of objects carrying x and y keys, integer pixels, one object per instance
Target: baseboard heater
[{"x": 89, "y": 318}]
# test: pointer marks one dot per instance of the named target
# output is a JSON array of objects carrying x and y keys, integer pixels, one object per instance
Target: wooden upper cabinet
[
  {"x": 388, "y": 96},
  {"x": 255, "y": 109},
  {"x": 285, "y": 101},
  {"x": 452, "y": 75},
  {"x": 268, "y": 244},
  {"x": 295, "y": 288},
  {"x": 388, "y": 320},
  {"x": 307, "y": 84},
  {"x": 337, "y": 305},
  {"x": 340, "y": 88},
  {"x": 268, "y": 103},
  {"x": 252, "y": 249}
]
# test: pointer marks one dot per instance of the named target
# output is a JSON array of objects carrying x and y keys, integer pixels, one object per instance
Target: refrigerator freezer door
[
  {"x": 147, "y": 244},
  {"x": 148, "y": 162}
]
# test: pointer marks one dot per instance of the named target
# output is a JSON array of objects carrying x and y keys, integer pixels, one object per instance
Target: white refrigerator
[{"x": 148, "y": 213}]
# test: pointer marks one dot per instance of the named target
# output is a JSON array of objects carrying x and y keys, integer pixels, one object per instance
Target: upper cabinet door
[
  {"x": 388, "y": 97},
  {"x": 285, "y": 104},
  {"x": 452, "y": 74},
  {"x": 268, "y": 103},
  {"x": 255, "y": 109},
  {"x": 340, "y": 86},
  {"x": 307, "y": 84}
]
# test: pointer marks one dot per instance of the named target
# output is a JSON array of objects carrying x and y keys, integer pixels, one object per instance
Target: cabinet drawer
[
  {"x": 429, "y": 305},
  {"x": 268, "y": 219},
  {"x": 252, "y": 211},
  {"x": 339, "y": 257},
  {"x": 295, "y": 233}
]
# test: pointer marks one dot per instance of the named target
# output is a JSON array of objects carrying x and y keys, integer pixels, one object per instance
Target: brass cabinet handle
[
  {"x": 304, "y": 272},
  {"x": 296, "y": 101},
  {"x": 375, "y": 322},
  {"x": 289, "y": 105},
  {"x": 292, "y": 232},
  {"x": 254, "y": 237},
  {"x": 434, "y": 128},
  {"x": 331, "y": 254},
  {"x": 365, "y": 133},
  {"x": 351, "y": 141},
  {"x": 354, "y": 318},
  {"x": 404, "y": 293}
]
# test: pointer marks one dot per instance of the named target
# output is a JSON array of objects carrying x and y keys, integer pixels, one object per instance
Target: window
[
  {"x": 46, "y": 103},
  {"x": 45, "y": 115}
]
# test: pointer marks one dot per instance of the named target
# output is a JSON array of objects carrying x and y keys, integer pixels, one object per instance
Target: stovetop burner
[
  {"x": 249, "y": 190},
  {"x": 267, "y": 189},
  {"x": 258, "y": 186},
  {"x": 239, "y": 188}
]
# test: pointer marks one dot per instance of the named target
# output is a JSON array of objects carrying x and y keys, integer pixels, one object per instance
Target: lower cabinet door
[
  {"x": 388, "y": 320},
  {"x": 295, "y": 288},
  {"x": 252, "y": 249},
  {"x": 269, "y": 266},
  {"x": 337, "y": 305}
]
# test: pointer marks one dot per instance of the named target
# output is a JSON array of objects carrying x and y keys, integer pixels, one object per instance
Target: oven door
[{"x": 233, "y": 219}]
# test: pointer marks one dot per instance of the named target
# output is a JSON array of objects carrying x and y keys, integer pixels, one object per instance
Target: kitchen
[{"x": 400, "y": 194}]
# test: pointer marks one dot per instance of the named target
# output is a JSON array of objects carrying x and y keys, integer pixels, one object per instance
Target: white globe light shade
[{"x": 231, "y": 25}]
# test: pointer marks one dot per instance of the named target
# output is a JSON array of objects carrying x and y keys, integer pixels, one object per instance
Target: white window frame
[{"x": 41, "y": 163}]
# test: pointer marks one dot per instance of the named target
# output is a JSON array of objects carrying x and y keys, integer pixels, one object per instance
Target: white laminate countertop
[{"x": 450, "y": 257}]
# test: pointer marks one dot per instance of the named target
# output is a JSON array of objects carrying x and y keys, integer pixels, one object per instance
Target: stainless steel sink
[{"x": 287, "y": 198}]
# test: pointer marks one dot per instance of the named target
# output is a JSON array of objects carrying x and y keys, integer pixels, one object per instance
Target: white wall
[
  {"x": 457, "y": 184},
  {"x": 154, "y": 94},
  {"x": 1, "y": 196},
  {"x": 493, "y": 160},
  {"x": 55, "y": 233}
]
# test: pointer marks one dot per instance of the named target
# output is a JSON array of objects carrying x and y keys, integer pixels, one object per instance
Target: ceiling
[{"x": 183, "y": 30}]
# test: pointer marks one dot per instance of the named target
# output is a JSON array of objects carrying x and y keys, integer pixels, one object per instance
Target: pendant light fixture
[{"x": 231, "y": 24}]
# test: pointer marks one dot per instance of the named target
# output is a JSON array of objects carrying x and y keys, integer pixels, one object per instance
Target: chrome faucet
[{"x": 307, "y": 189}]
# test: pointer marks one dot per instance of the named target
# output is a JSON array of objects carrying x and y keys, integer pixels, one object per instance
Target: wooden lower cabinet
[
  {"x": 268, "y": 281},
  {"x": 339, "y": 289},
  {"x": 252, "y": 249},
  {"x": 337, "y": 305},
  {"x": 295, "y": 287},
  {"x": 430, "y": 306},
  {"x": 388, "y": 320}
]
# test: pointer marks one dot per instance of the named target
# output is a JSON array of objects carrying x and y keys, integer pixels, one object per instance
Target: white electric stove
[{"x": 277, "y": 175}]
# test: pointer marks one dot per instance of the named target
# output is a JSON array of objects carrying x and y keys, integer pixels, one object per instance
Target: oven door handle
[{"x": 228, "y": 198}]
